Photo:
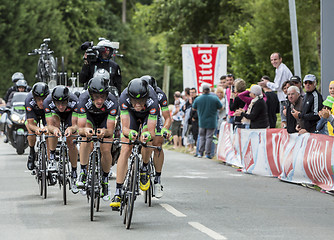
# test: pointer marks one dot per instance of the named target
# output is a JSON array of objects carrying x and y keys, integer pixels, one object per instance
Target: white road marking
[
  {"x": 172, "y": 210},
  {"x": 191, "y": 177},
  {"x": 207, "y": 231}
]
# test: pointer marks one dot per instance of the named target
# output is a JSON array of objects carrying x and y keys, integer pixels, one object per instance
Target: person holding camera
[{"x": 97, "y": 57}]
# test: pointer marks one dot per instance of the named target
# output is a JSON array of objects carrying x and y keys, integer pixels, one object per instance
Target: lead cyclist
[{"x": 161, "y": 131}]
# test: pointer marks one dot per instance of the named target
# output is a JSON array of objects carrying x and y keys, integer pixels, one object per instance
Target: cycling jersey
[
  {"x": 33, "y": 111},
  {"x": 97, "y": 116},
  {"x": 150, "y": 111},
  {"x": 50, "y": 109}
]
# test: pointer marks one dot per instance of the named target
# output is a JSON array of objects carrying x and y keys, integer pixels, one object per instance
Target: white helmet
[
  {"x": 105, "y": 43},
  {"x": 17, "y": 76},
  {"x": 102, "y": 73}
]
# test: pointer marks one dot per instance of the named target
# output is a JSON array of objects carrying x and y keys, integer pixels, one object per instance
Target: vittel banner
[{"x": 203, "y": 63}]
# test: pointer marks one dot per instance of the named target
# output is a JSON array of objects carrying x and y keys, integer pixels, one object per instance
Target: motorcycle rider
[
  {"x": 15, "y": 77},
  {"x": 103, "y": 61},
  {"x": 34, "y": 114},
  {"x": 20, "y": 86}
]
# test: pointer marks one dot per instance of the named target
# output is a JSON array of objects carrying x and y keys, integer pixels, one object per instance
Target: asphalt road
[{"x": 203, "y": 199}]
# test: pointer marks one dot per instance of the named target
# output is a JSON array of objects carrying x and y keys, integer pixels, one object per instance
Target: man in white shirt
[{"x": 282, "y": 74}]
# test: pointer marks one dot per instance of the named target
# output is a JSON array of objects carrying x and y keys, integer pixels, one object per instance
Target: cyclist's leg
[
  {"x": 106, "y": 159},
  {"x": 53, "y": 141},
  {"x": 84, "y": 151},
  {"x": 31, "y": 142}
]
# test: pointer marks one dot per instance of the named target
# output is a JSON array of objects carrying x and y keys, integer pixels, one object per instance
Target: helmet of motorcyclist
[
  {"x": 150, "y": 81},
  {"x": 40, "y": 89},
  {"x": 17, "y": 76},
  {"x": 102, "y": 73},
  {"x": 104, "y": 46},
  {"x": 21, "y": 84},
  {"x": 98, "y": 85},
  {"x": 138, "y": 91},
  {"x": 60, "y": 94}
]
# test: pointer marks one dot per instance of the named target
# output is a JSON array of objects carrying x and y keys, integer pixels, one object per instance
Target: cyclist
[
  {"x": 139, "y": 105},
  {"x": 35, "y": 113},
  {"x": 103, "y": 61},
  {"x": 161, "y": 129},
  {"x": 97, "y": 109},
  {"x": 61, "y": 105}
]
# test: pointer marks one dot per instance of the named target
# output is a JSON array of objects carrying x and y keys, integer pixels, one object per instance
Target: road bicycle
[
  {"x": 47, "y": 64},
  {"x": 131, "y": 183},
  {"x": 41, "y": 164},
  {"x": 150, "y": 192},
  {"x": 64, "y": 170},
  {"x": 94, "y": 174}
]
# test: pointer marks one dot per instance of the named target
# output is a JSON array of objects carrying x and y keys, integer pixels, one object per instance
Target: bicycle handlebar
[
  {"x": 137, "y": 142},
  {"x": 94, "y": 138}
]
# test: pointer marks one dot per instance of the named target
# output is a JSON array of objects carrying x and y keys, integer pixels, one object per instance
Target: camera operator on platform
[{"x": 100, "y": 57}]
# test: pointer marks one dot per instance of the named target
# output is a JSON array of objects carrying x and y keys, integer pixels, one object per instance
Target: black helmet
[
  {"x": 150, "y": 81},
  {"x": 21, "y": 83},
  {"x": 17, "y": 76},
  {"x": 101, "y": 73},
  {"x": 60, "y": 93},
  {"x": 138, "y": 88},
  {"x": 40, "y": 89},
  {"x": 98, "y": 85}
]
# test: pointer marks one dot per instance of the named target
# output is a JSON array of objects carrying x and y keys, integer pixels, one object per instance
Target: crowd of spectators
[{"x": 287, "y": 102}]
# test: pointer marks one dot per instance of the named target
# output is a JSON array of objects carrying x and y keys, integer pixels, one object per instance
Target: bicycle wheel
[
  {"x": 132, "y": 193},
  {"x": 44, "y": 183},
  {"x": 39, "y": 170},
  {"x": 92, "y": 185},
  {"x": 63, "y": 160}
]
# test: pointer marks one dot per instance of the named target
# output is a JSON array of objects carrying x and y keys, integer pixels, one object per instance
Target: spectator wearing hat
[
  {"x": 295, "y": 103},
  {"x": 295, "y": 80},
  {"x": 206, "y": 106},
  {"x": 322, "y": 123},
  {"x": 311, "y": 105},
  {"x": 257, "y": 111}
]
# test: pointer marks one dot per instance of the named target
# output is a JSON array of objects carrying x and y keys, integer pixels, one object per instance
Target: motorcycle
[{"x": 15, "y": 128}]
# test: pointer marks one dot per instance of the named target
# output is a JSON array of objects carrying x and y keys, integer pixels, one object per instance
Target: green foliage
[{"x": 154, "y": 32}]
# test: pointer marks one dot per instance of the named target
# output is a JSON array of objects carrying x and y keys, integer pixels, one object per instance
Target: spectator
[
  {"x": 295, "y": 103},
  {"x": 228, "y": 92},
  {"x": 221, "y": 113},
  {"x": 177, "y": 116},
  {"x": 322, "y": 123},
  {"x": 331, "y": 93},
  {"x": 187, "y": 133},
  {"x": 223, "y": 82},
  {"x": 282, "y": 74},
  {"x": 295, "y": 80},
  {"x": 311, "y": 105},
  {"x": 206, "y": 106},
  {"x": 236, "y": 102},
  {"x": 257, "y": 111},
  {"x": 284, "y": 104},
  {"x": 272, "y": 104}
]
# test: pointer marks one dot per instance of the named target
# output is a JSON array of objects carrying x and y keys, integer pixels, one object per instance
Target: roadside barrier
[{"x": 304, "y": 159}]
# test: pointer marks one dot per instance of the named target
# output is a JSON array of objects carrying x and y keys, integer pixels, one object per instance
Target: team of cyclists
[{"x": 141, "y": 106}]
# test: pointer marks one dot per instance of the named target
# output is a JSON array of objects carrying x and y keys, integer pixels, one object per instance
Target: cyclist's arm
[
  {"x": 168, "y": 119},
  {"x": 50, "y": 124},
  {"x": 32, "y": 125},
  {"x": 72, "y": 129},
  {"x": 109, "y": 131},
  {"x": 151, "y": 124},
  {"x": 125, "y": 121}
]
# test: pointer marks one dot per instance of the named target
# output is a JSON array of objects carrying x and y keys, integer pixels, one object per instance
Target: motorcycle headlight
[{"x": 15, "y": 117}]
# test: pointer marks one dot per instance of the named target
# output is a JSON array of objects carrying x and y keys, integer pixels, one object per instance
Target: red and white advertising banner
[
  {"x": 306, "y": 158},
  {"x": 203, "y": 63}
]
